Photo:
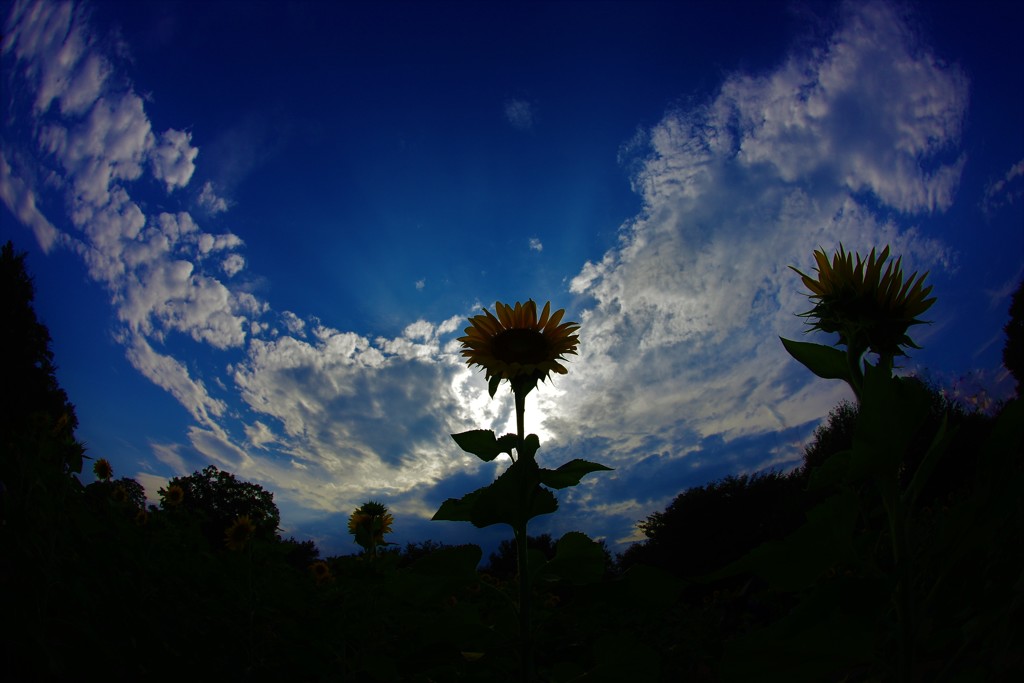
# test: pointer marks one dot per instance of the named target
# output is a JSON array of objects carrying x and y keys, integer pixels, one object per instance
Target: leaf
[
  {"x": 513, "y": 498},
  {"x": 570, "y": 473},
  {"x": 492, "y": 385},
  {"x": 824, "y": 361},
  {"x": 935, "y": 452},
  {"x": 483, "y": 444},
  {"x": 531, "y": 444},
  {"x": 892, "y": 411}
]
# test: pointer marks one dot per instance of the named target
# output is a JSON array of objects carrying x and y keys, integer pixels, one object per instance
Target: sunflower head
[
  {"x": 102, "y": 469},
  {"x": 172, "y": 495},
  {"x": 320, "y": 572},
  {"x": 517, "y": 346},
  {"x": 239, "y": 533},
  {"x": 870, "y": 309},
  {"x": 119, "y": 494},
  {"x": 368, "y": 524}
]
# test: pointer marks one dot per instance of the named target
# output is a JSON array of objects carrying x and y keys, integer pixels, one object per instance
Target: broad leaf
[
  {"x": 483, "y": 444},
  {"x": 513, "y": 498},
  {"x": 570, "y": 473},
  {"x": 824, "y": 361}
]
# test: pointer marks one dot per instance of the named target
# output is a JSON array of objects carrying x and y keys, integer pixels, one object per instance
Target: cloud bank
[{"x": 681, "y": 377}]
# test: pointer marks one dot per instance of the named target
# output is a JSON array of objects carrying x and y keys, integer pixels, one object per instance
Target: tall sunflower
[
  {"x": 870, "y": 310},
  {"x": 239, "y": 533},
  {"x": 517, "y": 346},
  {"x": 102, "y": 469},
  {"x": 368, "y": 524}
]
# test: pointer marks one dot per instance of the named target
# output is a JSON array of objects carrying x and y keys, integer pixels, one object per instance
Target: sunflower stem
[{"x": 522, "y": 555}]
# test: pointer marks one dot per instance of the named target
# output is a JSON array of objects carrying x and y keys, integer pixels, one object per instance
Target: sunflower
[
  {"x": 239, "y": 533},
  {"x": 173, "y": 495},
  {"x": 321, "y": 571},
  {"x": 517, "y": 345},
  {"x": 119, "y": 494},
  {"x": 870, "y": 310},
  {"x": 102, "y": 469},
  {"x": 368, "y": 524}
]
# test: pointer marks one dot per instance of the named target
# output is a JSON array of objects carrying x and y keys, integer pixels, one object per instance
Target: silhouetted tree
[
  {"x": 218, "y": 498},
  {"x": 31, "y": 401},
  {"x": 300, "y": 554},
  {"x": 707, "y": 527},
  {"x": 1013, "y": 350},
  {"x": 832, "y": 437},
  {"x": 502, "y": 563}
]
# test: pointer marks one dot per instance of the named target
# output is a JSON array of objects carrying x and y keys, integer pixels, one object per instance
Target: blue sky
[{"x": 257, "y": 229}]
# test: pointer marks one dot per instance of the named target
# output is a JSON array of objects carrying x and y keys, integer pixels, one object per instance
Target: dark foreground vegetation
[{"x": 904, "y": 566}]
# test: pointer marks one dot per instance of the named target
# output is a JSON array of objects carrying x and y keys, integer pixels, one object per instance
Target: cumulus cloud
[
  {"x": 680, "y": 343},
  {"x": 21, "y": 201},
  {"x": 173, "y": 158},
  {"x": 536, "y": 245},
  {"x": 209, "y": 200}
]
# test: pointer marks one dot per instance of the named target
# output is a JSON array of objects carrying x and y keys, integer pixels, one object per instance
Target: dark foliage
[
  {"x": 707, "y": 527},
  {"x": 1013, "y": 350},
  {"x": 31, "y": 402},
  {"x": 832, "y": 437},
  {"x": 502, "y": 564},
  {"x": 217, "y": 498}
]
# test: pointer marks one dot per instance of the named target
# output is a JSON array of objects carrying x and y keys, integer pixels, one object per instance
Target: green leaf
[
  {"x": 892, "y": 411},
  {"x": 513, "y": 498},
  {"x": 570, "y": 473},
  {"x": 483, "y": 444},
  {"x": 936, "y": 450},
  {"x": 531, "y": 444},
  {"x": 458, "y": 510},
  {"x": 824, "y": 361}
]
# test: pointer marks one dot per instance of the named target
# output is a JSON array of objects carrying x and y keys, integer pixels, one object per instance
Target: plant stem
[{"x": 522, "y": 557}]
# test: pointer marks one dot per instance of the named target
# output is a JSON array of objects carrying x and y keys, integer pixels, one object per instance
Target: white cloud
[
  {"x": 232, "y": 265},
  {"x": 1005, "y": 190},
  {"x": 681, "y": 342},
  {"x": 520, "y": 114},
  {"x": 21, "y": 201},
  {"x": 209, "y": 200},
  {"x": 536, "y": 245},
  {"x": 173, "y": 158},
  {"x": 172, "y": 376},
  {"x": 50, "y": 41}
]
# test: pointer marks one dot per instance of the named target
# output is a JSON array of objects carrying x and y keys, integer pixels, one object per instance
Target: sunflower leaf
[
  {"x": 502, "y": 501},
  {"x": 492, "y": 384},
  {"x": 824, "y": 361},
  {"x": 483, "y": 444},
  {"x": 570, "y": 473}
]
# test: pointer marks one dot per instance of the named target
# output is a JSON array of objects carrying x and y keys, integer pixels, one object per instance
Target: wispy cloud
[
  {"x": 536, "y": 245},
  {"x": 520, "y": 114},
  {"x": 1005, "y": 190},
  {"x": 210, "y": 201}
]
